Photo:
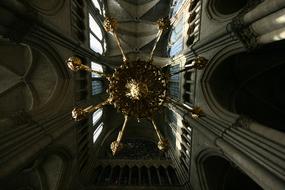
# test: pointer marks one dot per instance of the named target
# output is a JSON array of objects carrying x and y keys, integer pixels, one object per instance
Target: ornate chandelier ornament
[{"x": 136, "y": 88}]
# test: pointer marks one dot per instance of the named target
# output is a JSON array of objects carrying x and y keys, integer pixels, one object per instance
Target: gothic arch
[
  {"x": 57, "y": 61},
  {"x": 222, "y": 10},
  {"x": 217, "y": 172},
  {"x": 214, "y": 62},
  {"x": 248, "y": 83},
  {"x": 54, "y": 166}
]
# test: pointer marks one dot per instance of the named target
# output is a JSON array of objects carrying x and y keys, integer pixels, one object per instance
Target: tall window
[
  {"x": 97, "y": 85},
  {"x": 96, "y": 67},
  {"x": 97, "y": 132},
  {"x": 176, "y": 38},
  {"x": 96, "y": 38},
  {"x": 174, "y": 82},
  {"x": 176, "y": 5},
  {"x": 95, "y": 119},
  {"x": 97, "y": 115}
]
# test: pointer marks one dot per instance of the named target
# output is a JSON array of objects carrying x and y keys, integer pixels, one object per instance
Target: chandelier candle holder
[{"x": 136, "y": 88}]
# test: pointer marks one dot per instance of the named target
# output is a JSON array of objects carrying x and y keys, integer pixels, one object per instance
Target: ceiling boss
[{"x": 136, "y": 88}]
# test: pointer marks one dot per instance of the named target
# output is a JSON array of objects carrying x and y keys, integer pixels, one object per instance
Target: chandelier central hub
[{"x": 136, "y": 89}]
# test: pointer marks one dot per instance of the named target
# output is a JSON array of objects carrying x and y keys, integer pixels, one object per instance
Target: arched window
[
  {"x": 97, "y": 116},
  {"x": 95, "y": 28},
  {"x": 176, "y": 38},
  {"x": 96, "y": 67},
  {"x": 97, "y": 132},
  {"x": 95, "y": 119},
  {"x": 97, "y": 85},
  {"x": 174, "y": 89},
  {"x": 96, "y": 37},
  {"x": 96, "y": 41},
  {"x": 176, "y": 5}
]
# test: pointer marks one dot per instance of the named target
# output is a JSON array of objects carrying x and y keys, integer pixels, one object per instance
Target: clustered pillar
[{"x": 267, "y": 21}]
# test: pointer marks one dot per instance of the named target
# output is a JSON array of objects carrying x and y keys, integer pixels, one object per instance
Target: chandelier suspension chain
[
  {"x": 158, "y": 35},
  {"x": 120, "y": 46},
  {"x": 111, "y": 25},
  {"x": 156, "y": 130}
]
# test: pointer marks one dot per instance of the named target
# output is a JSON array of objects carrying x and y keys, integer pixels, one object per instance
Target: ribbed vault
[{"x": 137, "y": 29}]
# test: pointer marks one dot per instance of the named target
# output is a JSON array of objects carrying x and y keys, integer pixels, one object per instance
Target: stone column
[
  {"x": 168, "y": 176},
  {"x": 130, "y": 176},
  {"x": 158, "y": 175},
  {"x": 101, "y": 177},
  {"x": 263, "y": 24},
  {"x": 260, "y": 156},
  {"x": 255, "y": 170},
  {"x": 149, "y": 176},
  {"x": 265, "y": 8},
  {"x": 273, "y": 36},
  {"x": 120, "y": 175},
  {"x": 269, "y": 23},
  {"x": 111, "y": 173},
  {"x": 139, "y": 176}
]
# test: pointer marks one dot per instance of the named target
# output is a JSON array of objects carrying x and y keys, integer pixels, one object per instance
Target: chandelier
[{"x": 136, "y": 88}]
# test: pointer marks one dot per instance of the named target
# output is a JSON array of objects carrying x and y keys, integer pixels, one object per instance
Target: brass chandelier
[{"x": 136, "y": 88}]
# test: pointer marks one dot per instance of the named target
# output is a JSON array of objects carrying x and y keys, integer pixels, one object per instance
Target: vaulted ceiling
[{"x": 137, "y": 29}]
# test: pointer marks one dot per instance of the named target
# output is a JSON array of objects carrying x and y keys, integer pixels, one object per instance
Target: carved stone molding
[
  {"x": 248, "y": 37},
  {"x": 243, "y": 122}
]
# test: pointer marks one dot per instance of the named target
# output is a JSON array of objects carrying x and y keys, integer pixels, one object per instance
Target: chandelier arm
[
  {"x": 198, "y": 63},
  {"x": 75, "y": 64},
  {"x": 121, "y": 133},
  {"x": 162, "y": 143},
  {"x": 163, "y": 24},
  {"x": 156, "y": 130},
  {"x": 158, "y": 36},
  {"x": 91, "y": 109},
  {"x": 117, "y": 145},
  {"x": 120, "y": 46},
  {"x": 81, "y": 113},
  {"x": 111, "y": 25},
  {"x": 88, "y": 69}
]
